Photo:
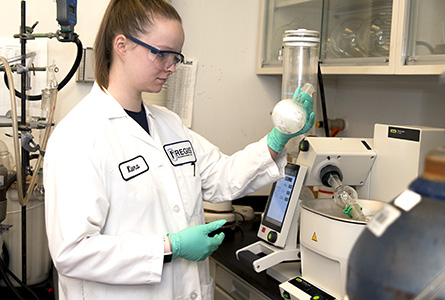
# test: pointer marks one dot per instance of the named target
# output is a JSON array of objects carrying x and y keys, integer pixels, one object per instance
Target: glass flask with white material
[
  {"x": 346, "y": 198},
  {"x": 300, "y": 64}
]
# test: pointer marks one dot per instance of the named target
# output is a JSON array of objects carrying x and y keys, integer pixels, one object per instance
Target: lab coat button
[
  {"x": 193, "y": 295},
  {"x": 176, "y": 208}
]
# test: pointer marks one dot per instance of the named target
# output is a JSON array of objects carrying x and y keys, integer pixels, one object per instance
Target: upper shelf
[{"x": 359, "y": 36}]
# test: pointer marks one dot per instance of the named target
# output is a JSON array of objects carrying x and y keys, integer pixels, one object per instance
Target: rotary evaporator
[
  {"x": 305, "y": 243},
  {"x": 24, "y": 255}
]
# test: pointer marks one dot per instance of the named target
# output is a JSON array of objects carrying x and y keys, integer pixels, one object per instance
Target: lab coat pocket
[
  {"x": 207, "y": 292},
  {"x": 190, "y": 186}
]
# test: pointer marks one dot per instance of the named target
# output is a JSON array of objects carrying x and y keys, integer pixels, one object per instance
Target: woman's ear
[{"x": 120, "y": 46}]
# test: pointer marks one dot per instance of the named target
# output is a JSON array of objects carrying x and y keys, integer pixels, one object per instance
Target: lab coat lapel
[{"x": 117, "y": 115}]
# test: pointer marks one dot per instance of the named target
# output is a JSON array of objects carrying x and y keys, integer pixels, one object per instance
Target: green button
[
  {"x": 316, "y": 297},
  {"x": 286, "y": 295}
]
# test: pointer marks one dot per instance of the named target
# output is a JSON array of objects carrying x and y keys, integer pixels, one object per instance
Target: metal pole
[{"x": 25, "y": 155}]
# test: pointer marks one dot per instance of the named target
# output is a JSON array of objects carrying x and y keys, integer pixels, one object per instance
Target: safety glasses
[{"x": 163, "y": 59}]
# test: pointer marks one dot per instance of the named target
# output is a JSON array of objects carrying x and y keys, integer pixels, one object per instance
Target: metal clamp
[{"x": 28, "y": 143}]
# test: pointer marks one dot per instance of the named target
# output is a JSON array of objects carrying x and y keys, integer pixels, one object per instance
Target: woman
[{"x": 125, "y": 182}]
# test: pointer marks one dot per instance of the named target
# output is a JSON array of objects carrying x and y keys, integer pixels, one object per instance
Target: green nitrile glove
[
  {"x": 194, "y": 243},
  {"x": 277, "y": 140}
]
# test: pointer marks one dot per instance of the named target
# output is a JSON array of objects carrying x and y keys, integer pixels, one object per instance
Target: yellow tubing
[
  {"x": 53, "y": 100},
  {"x": 15, "y": 131}
]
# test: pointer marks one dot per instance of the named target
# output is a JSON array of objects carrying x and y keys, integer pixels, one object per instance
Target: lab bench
[{"x": 234, "y": 279}]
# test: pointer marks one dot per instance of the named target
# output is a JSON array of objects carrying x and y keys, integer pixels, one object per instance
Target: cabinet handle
[{"x": 239, "y": 292}]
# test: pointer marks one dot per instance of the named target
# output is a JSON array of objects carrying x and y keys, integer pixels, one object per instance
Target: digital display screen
[
  {"x": 71, "y": 9},
  {"x": 279, "y": 199}
]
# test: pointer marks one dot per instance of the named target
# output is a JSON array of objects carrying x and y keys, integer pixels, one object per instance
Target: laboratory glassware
[{"x": 300, "y": 64}]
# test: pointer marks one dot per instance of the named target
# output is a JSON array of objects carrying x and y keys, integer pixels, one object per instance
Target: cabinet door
[
  {"x": 229, "y": 286},
  {"x": 423, "y": 29},
  {"x": 221, "y": 295},
  {"x": 276, "y": 17},
  {"x": 357, "y": 37}
]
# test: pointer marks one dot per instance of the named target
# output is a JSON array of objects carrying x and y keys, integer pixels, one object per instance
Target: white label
[
  {"x": 133, "y": 167},
  {"x": 407, "y": 200},
  {"x": 180, "y": 153},
  {"x": 383, "y": 219}
]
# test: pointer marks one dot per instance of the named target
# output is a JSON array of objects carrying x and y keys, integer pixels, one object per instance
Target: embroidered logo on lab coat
[
  {"x": 180, "y": 153},
  {"x": 134, "y": 167}
]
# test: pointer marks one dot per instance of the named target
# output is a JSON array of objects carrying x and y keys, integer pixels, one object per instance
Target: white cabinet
[
  {"x": 277, "y": 16},
  {"x": 359, "y": 36},
  {"x": 229, "y": 286},
  {"x": 421, "y": 48}
]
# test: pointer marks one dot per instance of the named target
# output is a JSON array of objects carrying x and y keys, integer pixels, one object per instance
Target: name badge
[
  {"x": 180, "y": 153},
  {"x": 134, "y": 167}
]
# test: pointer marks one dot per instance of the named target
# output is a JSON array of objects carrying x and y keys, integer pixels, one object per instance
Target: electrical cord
[
  {"x": 67, "y": 78},
  {"x": 323, "y": 102}
]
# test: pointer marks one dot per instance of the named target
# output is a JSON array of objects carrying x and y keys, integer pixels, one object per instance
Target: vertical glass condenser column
[
  {"x": 300, "y": 61},
  {"x": 300, "y": 66}
]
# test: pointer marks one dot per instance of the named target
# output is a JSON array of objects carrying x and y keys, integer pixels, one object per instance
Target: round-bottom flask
[{"x": 288, "y": 115}]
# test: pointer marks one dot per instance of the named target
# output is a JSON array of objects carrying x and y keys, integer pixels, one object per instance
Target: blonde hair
[{"x": 130, "y": 18}]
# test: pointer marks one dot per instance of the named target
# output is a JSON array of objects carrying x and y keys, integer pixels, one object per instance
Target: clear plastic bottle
[{"x": 300, "y": 65}]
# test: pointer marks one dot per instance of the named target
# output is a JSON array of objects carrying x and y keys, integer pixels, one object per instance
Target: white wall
[
  {"x": 232, "y": 104},
  {"x": 397, "y": 100}
]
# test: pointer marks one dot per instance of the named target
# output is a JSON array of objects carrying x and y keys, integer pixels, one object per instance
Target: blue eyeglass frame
[{"x": 155, "y": 50}]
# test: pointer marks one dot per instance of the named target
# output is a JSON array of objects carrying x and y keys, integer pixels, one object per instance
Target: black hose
[
  {"x": 14, "y": 177},
  {"x": 7, "y": 281},
  {"x": 11, "y": 181},
  {"x": 65, "y": 80},
  {"x": 75, "y": 65},
  {"x": 5, "y": 254},
  {"x": 323, "y": 102},
  {"x": 9, "y": 284},
  {"x": 4, "y": 271},
  {"x": 31, "y": 292}
]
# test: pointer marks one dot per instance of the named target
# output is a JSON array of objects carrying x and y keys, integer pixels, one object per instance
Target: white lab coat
[{"x": 113, "y": 192}]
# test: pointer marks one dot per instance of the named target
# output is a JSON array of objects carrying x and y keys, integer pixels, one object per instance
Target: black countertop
[{"x": 242, "y": 236}]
